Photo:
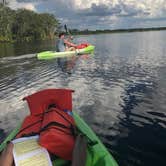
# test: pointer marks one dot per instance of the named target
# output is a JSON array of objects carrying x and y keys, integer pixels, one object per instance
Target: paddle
[
  {"x": 68, "y": 32},
  {"x": 70, "y": 37},
  {"x": 66, "y": 29},
  {"x": 80, "y": 151}
]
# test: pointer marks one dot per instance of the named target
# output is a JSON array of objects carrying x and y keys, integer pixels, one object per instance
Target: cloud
[
  {"x": 29, "y": 6},
  {"x": 119, "y": 10},
  {"x": 100, "y": 10},
  {"x": 101, "y": 13},
  {"x": 128, "y": 7},
  {"x": 16, "y": 5},
  {"x": 123, "y": 13}
]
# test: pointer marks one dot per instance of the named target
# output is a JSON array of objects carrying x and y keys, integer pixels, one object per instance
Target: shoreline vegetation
[
  {"x": 86, "y": 32},
  {"x": 25, "y": 25}
]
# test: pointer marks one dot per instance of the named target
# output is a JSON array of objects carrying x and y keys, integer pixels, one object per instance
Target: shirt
[{"x": 60, "y": 45}]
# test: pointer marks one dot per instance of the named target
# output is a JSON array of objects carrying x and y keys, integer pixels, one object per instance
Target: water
[{"x": 120, "y": 91}]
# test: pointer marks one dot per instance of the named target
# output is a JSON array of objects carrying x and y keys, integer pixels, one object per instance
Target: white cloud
[
  {"x": 29, "y": 6},
  {"x": 153, "y": 7},
  {"x": 84, "y": 4},
  {"x": 16, "y": 5},
  {"x": 102, "y": 14}
]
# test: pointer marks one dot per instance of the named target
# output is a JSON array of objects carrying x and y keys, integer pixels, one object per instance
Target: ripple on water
[{"x": 120, "y": 92}]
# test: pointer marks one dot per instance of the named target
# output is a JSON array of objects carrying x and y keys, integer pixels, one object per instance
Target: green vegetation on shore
[
  {"x": 86, "y": 31},
  {"x": 25, "y": 25}
]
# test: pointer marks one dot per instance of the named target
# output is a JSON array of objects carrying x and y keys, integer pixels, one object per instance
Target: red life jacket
[
  {"x": 30, "y": 126},
  {"x": 58, "y": 133},
  {"x": 55, "y": 124},
  {"x": 82, "y": 45}
]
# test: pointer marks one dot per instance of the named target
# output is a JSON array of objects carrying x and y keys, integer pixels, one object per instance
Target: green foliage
[
  {"x": 86, "y": 31},
  {"x": 25, "y": 25},
  {"x": 6, "y": 21}
]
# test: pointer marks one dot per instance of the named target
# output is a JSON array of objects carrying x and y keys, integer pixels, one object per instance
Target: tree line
[
  {"x": 26, "y": 25},
  {"x": 87, "y": 31}
]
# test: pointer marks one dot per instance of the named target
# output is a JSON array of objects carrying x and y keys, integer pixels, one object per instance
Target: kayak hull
[
  {"x": 96, "y": 155},
  {"x": 46, "y": 55}
]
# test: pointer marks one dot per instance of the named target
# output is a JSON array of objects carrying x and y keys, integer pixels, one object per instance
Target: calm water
[{"x": 120, "y": 91}]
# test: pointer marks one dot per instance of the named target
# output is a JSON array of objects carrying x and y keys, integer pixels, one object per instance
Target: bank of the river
[
  {"x": 26, "y": 25},
  {"x": 109, "y": 31}
]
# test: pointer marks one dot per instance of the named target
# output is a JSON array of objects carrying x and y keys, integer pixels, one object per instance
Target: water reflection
[{"x": 120, "y": 91}]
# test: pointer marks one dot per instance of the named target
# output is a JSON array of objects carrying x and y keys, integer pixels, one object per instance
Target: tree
[
  {"x": 26, "y": 25},
  {"x": 6, "y": 22}
]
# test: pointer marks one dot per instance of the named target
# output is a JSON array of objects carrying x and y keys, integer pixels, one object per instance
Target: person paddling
[{"x": 64, "y": 44}]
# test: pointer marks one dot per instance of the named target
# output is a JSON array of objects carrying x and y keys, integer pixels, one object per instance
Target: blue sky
[{"x": 101, "y": 14}]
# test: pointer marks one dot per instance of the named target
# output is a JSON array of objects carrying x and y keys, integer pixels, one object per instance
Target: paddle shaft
[{"x": 66, "y": 29}]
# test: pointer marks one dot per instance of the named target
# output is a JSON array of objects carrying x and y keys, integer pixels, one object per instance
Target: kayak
[
  {"x": 97, "y": 154},
  {"x": 53, "y": 54}
]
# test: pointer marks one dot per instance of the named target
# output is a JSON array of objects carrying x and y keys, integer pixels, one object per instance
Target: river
[{"x": 120, "y": 91}]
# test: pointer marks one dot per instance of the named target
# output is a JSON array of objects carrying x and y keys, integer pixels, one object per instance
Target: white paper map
[{"x": 27, "y": 152}]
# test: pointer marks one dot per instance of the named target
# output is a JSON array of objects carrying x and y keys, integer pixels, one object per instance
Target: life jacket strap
[
  {"x": 39, "y": 121},
  {"x": 59, "y": 125}
]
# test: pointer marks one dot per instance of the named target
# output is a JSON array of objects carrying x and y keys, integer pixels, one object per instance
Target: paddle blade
[
  {"x": 65, "y": 26},
  {"x": 79, "y": 152}
]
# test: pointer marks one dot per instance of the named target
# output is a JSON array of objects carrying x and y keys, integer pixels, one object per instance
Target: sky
[{"x": 100, "y": 14}]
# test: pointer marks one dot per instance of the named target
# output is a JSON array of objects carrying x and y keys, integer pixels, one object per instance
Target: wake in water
[{"x": 26, "y": 56}]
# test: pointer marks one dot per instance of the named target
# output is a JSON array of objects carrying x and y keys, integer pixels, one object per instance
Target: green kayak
[
  {"x": 52, "y": 54},
  {"x": 97, "y": 154}
]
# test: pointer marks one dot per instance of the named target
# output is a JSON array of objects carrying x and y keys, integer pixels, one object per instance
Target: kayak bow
[{"x": 97, "y": 154}]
